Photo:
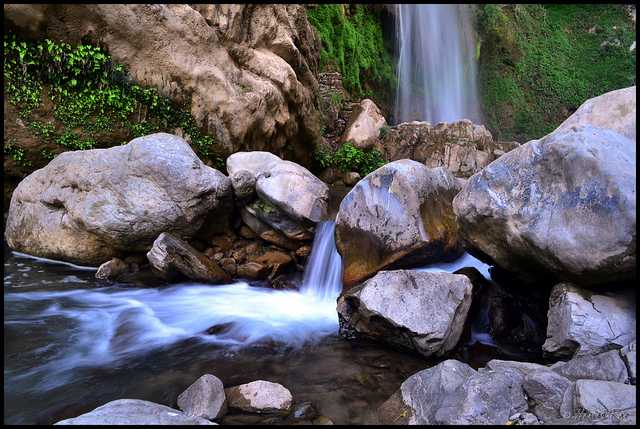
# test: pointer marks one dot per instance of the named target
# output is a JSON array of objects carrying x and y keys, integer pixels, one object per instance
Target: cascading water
[
  {"x": 323, "y": 273},
  {"x": 437, "y": 64}
]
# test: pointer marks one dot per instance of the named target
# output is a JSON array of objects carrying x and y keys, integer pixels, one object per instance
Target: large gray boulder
[
  {"x": 453, "y": 393},
  {"x": 204, "y": 398},
  {"x": 546, "y": 207},
  {"x": 284, "y": 184},
  {"x": 421, "y": 395},
  {"x": 397, "y": 216},
  {"x": 597, "y": 396},
  {"x": 91, "y": 205},
  {"x": 134, "y": 412},
  {"x": 550, "y": 394},
  {"x": 171, "y": 256},
  {"x": 259, "y": 397},
  {"x": 615, "y": 110},
  {"x": 422, "y": 311},
  {"x": 585, "y": 323},
  {"x": 607, "y": 366}
]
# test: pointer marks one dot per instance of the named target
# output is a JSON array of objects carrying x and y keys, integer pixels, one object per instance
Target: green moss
[
  {"x": 353, "y": 44},
  {"x": 539, "y": 63},
  {"x": 349, "y": 158},
  {"x": 91, "y": 95}
]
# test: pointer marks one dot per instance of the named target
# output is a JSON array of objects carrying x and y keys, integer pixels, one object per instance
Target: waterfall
[
  {"x": 436, "y": 65},
  {"x": 323, "y": 273}
]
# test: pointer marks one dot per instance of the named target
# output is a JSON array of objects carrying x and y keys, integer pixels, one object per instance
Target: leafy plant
[
  {"x": 91, "y": 94},
  {"x": 349, "y": 158}
]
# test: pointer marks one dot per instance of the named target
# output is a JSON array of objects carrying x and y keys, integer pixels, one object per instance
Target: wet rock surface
[{"x": 204, "y": 398}]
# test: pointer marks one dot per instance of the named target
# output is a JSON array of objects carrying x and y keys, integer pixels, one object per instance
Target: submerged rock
[
  {"x": 421, "y": 311},
  {"x": 134, "y": 412},
  {"x": 204, "y": 398},
  {"x": 546, "y": 207},
  {"x": 585, "y": 323},
  {"x": 365, "y": 124},
  {"x": 170, "y": 256},
  {"x": 259, "y": 397},
  {"x": 398, "y": 216},
  {"x": 91, "y": 205}
]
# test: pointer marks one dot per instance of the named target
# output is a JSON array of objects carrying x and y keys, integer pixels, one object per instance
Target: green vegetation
[
  {"x": 353, "y": 44},
  {"x": 539, "y": 63},
  {"x": 16, "y": 153},
  {"x": 349, "y": 158},
  {"x": 91, "y": 95}
]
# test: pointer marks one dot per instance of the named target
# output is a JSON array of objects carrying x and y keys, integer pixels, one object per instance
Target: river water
[{"x": 73, "y": 343}]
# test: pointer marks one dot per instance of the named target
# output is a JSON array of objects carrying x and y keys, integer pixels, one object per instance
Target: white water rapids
[{"x": 96, "y": 326}]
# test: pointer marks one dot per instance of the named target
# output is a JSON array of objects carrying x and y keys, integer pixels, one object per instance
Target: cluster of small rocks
[{"x": 207, "y": 401}]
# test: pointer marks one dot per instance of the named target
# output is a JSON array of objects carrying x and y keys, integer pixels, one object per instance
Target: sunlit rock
[
  {"x": 259, "y": 397},
  {"x": 563, "y": 206},
  {"x": 365, "y": 124},
  {"x": 88, "y": 206},
  {"x": 397, "y": 216}
]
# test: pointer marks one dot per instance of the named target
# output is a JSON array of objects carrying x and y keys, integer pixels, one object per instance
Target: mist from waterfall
[{"x": 436, "y": 67}]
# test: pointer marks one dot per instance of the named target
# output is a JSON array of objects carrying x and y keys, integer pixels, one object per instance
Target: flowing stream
[
  {"x": 436, "y": 67},
  {"x": 73, "y": 343}
]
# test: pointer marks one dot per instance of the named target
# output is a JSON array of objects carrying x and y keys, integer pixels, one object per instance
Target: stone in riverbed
[
  {"x": 398, "y": 216},
  {"x": 584, "y": 323},
  {"x": 596, "y": 396},
  {"x": 259, "y": 397},
  {"x": 204, "y": 398},
  {"x": 421, "y": 311},
  {"x": 550, "y": 394},
  {"x": 276, "y": 219},
  {"x": 453, "y": 393},
  {"x": 170, "y": 256},
  {"x": 546, "y": 208},
  {"x": 266, "y": 233},
  {"x": 111, "y": 269},
  {"x": 628, "y": 354},
  {"x": 88, "y": 206},
  {"x": 134, "y": 412},
  {"x": 607, "y": 366},
  {"x": 252, "y": 270}
]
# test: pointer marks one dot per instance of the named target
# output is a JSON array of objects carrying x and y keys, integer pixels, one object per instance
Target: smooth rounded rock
[
  {"x": 259, "y": 397},
  {"x": 204, "y": 398}
]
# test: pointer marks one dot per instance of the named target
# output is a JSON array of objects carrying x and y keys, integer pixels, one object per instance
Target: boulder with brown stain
[{"x": 400, "y": 215}]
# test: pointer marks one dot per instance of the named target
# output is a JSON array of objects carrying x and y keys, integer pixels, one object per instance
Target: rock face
[
  {"x": 462, "y": 147},
  {"x": 247, "y": 71},
  {"x": 365, "y": 124},
  {"x": 607, "y": 366},
  {"x": 89, "y": 206},
  {"x": 205, "y": 398},
  {"x": 284, "y": 184},
  {"x": 259, "y": 397},
  {"x": 134, "y": 412},
  {"x": 421, "y": 311},
  {"x": 546, "y": 207},
  {"x": 170, "y": 256},
  {"x": 397, "y": 216},
  {"x": 584, "y": 323},
  {"x": 615, "y": 110},
  {"x": 550, "y": 394}
]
